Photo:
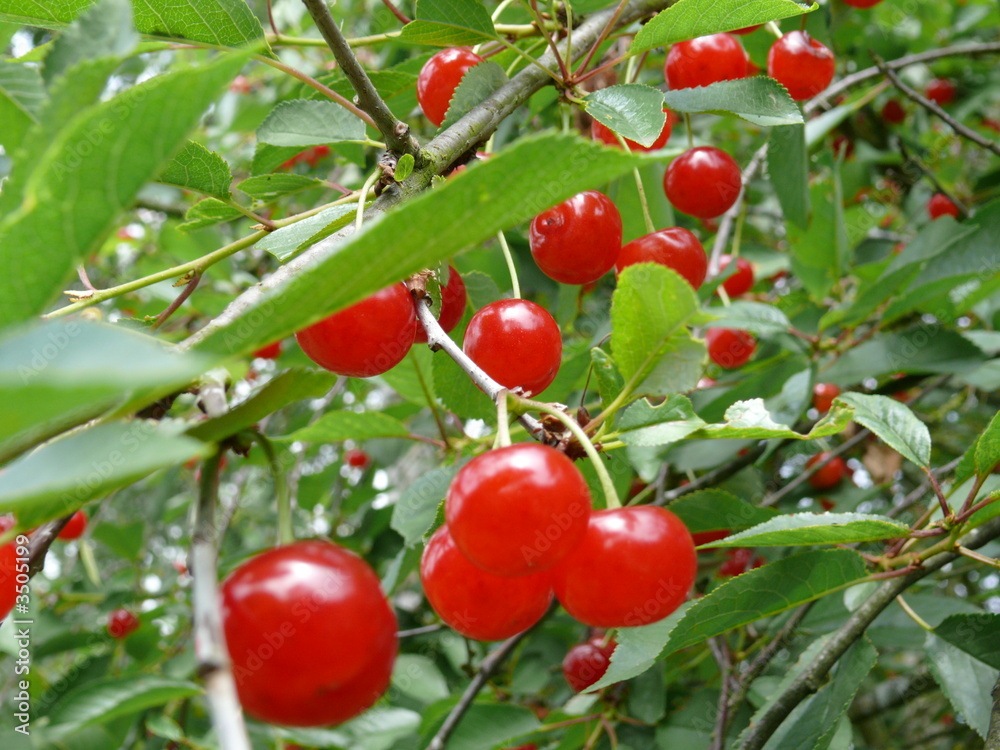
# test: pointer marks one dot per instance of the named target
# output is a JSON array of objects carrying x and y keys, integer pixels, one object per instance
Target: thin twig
[
  {"x": 425, "y": 630},
  {"x": 720, "y": 650},
  {"x": 186, "y": 292},
  {"x": 41, "y": 540},
  {"x": 719, "y": 474},
  {"x": 396, "y": 11},
  {"x": 308, "y": 80}
]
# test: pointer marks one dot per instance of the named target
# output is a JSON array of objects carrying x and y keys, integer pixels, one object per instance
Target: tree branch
[
  {"x": 186, "y": 292},
  {"x": 993, "y": 735},
  {"x": 41, "y": 540},
  {"x": 716, "y": 475}
]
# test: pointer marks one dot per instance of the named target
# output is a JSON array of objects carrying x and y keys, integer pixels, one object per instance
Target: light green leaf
[
  {"x": 449, "y": 23},
  {"x": 207, "y": 212},
  {"x": 814, "y": 253},
  {"x": 687, "y": 19},
  {"x": 104, "y": 30},
  {"x": 478, "y": 84},
  {"x": 964, "y": 680},
  {"x": 416, "y": 509},
  {"x": 404, "y": 167},
  {"x": 894, "y": 423},
  {"x": 310, "y": 122},
  {"x": 751, "y": 419},
  {"x": 638, "y": 649},
  {"x": 715, "y": 510},
  {"x": 788, "y": 168},
  {"x": 653, "y": 349},
  {"x": 759, "y": 100},
  {"x": 197, "y": 168},
  {"x": 816, "y": 528},
  {"x": 337, "y": 426},
  {"x": 632, "y": 110},
  {"x": 975, "y": 634},
  {"x": 285, "y": 242},
  {"x": 756, "y": 317},
  {"x": 22, "y": 94},
  {"x": 645, "y": 424},
  {"x": 267, "y": 187},
  {"x": 418, "y": 677},
  {"x": 988, "y": 447},
  {"x": 609, "y": 380}
]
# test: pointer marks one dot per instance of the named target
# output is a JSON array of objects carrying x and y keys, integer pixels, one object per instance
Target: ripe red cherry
[
  {"x": 730, "y": 348},
  {"x": 738, "y": 561},
  {"x": 440, "y": 77},
  {"x": 747, "y": 30},
  {"x": 801, "y": 64},
  {"x": 8, "y": 570},
  {"x": 703, "y": 182},
  {"x": 517, "y": 343},
  {"x": 477, "y": 604},
  {"x": 941, "y": 91},
  {"x": 707, "y": 537},
  {"x": 311, "y": 636},
  {"x": 893, "y": 112},
  {"x": 634, "y": 566},
  {"x": 75, "y": 527},
  {"x": 705, "y": 60},
  {"x": 830, "y": 474},
  {"x": 586, "y": 663},
  {"x": 827, "y": 504},
  {"x": 604, "y": 134},
  {"x": 823, "y": 396},
  {"x": 742, "y": 279},
  {"x": 453, "y": 299},
  {"x": 367, "y": 338},
  {"x": 941, "y": 205},
  {"x": 517, "y": 510},
  {"x": 271, "y": 351},
  {"x": 122, "y": 623},
  {"x": 862, "y": 3},
  {"x": 675, "y": 248},
  {"x": 577, "y": 241},
  {"x": 357, "y": 458}
]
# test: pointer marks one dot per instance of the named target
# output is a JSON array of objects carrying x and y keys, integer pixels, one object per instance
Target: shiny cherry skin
[
  {"x": 634, "y": 566},
  {"x": 8, "y": 570},
  {"x": 742, "y": 278},
  {"x": 801, "y": 64},
  {"x": 730, "y": 348},
  {"x": 365, "y": 339},
  {"x": 941, "y": 205},
  {"x": 477, "y": 604},
  {"x": 75, "y": 527},
  {"x": 122, "y": 623},
  {"x": 577, "y": 241},
  {"x": 823, "y": 396},
  {"x": 357, "y": 458},
  {"x": 607, "y": 136},
  {"x": 862, "y": 3},
  {"x": 893, "y": 112},
  {"x": 440, "y": 77},
  {"x": 703, "y": 182},
  {"x": 675, "y": 248},
  {"x": 586, "y": 663},
  {"x": 705, "y": 60},
  {"x": 517, "y": 343},
  {"x": 830, "y": 475},
  {"x": 517, "y": 510},
  {"x": 453, "y": 300},
  {"x": 271, "y": 351},
  {"x": 310, "y": 634},
  {"x": 941, "y": 91}
]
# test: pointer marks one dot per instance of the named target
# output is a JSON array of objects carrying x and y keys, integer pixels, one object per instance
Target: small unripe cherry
[
  {"x": 703, "y": 182},
  {"x": 730, "y": 348}
]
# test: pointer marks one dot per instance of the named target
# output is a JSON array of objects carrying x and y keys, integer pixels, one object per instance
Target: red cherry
[
  {"x": 827, "y": 504},
  {"x": 707, "y": 537},
  {"x": 742, "y": 279},
  {"x": 941, "y": 205},
  {"x": 862, "y": 3},
  {"x": 517, "y": 343},
  {"x": 605, "y": 135},
  {"x": 517, "y": 510},
  {"x": 122, "y": 623},
  {"x": 8, "y": 570},
  {"x": 730, "y": 348},
  {"x": 823, "y": 396},
  {"x": 893, "y": 112},
  {"x": 830, "y": 474},
  {"x": 703, "y": 182},
  {"x": 586, "y": 663},
  {"x": 311, "y": 636},
  {"x": 477, "y": 604},
  {"x": 367, "y": 338},
  {"x": 75, "y": 527},
  {"x": 634, "y": 566},
  {"x": 312, "y": 156},
  {"x": 577, "y": 241},
  {"x": 843, "y": 145},
  {"x": 675, "y": 248},
  {"x": 747, "y": 30},
  {"x": 705, "y": 60},
  {"x": 440, "y": 77},
  {"x": 241, "y": 85},
  {"x": 738, "y": 561},
  {"x": 271, "y": 351},
  {"x": 453, "y": 299},
  {"x": 357, "y": 458},
  {"x": 801, "y": 64},
  {"x": 941, "y": 91}
]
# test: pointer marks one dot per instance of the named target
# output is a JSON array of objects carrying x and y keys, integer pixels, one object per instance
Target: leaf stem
[
  {"x": 643, "y": 202},
  {"x": 359, "y": 219}
]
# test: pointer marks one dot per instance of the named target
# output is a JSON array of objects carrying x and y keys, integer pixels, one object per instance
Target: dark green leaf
[
  {"x": 632, "y": 110},
  {"x": 894, "y": 423},
  {"x": 759, "y": 100},
  {"x": 977, "y": 635},
  {"x": 788, "y": 167},
  {"x": 477, "y": 85},
  {"x": 803, "y": 529},
  {"x": 337, "y": 426},
  {"x": 449, "y": 23},
  {"x": 964, "y": 680},
  {"x": 815, "y": 255},
  {"x": 988, "y": 447},
  {"x": 308, "y": 122},
  {"x": 490, "y": 725},
  {"x": 715, "y": 510},
  {"x": 197, "y": 168},
  {"x": 458, "y": 393}
]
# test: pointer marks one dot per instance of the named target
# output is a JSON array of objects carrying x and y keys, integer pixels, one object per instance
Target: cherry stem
[
  {"x": 913, "y": 615},
  {"x": 503, "y": 423},
  {"x": 647, "y": 217},
  {"x": 510, "y": 264},
  {"x": 610, "y": 494},
  {"x": 972, "y": 555},
  {"x": 690, "y": 131},
  {"x": 359, "y": 219},
  {"x": 286, "y": 534}
]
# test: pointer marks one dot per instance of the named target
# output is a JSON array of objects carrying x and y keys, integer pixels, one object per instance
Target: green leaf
[
  {"x": 104, "y": 30},
  {"x": 404, "y": 167},
  {"x": 197, "y": 168},
  {"x": 309, "y": 122},
  {"x": 267, "y": 187},
  {"x": 654, "y": 351},
  {"x": 688, "y": 19},
  {"x": 22, "y": 94},
  {"x": 964, "y": 680},
  {"x": 814, "y": 250},
  {"x": 751, "y": 419},
  {"x": 477, "y": 85},
  {"x": 285, "y": 242},
  {"x": 715, "y": 510},
  {"x": 976, "y": 635},
  {"x": 337, "y": 426},
  {"x": 490, "y": 725},
  {"x": 416, "y": 509},
  {"x": 894, "y": 423},
  {"x": 638, "y": 649},
  {"x": 632, "y": 110},
  {"x": 290, "y": 386},
  {"x": 766, "y": 591},
  {"x": 756, "y": 317},
  {"x": 816, "y": 528},
  {"x": 416, "y": 676},
  {"x": 208, "y": 212},
  {"x": 102, "y": 701},
  {"x": 609, "y": 380},
  {"x": 645, "y": 424},
  {"x": 66, "y": 213},
  {"x": 788, "y": 167},
  {"x": 760, "y": 100},
  {"x": 988, "y": 447},
  {"x": 64, "y": 474},
  {"x": 458, "y": 393},
  {"x": 449, "y": 23},
  {"x": 61, "y": 373},
  {"x": 431, "y": 227}
]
